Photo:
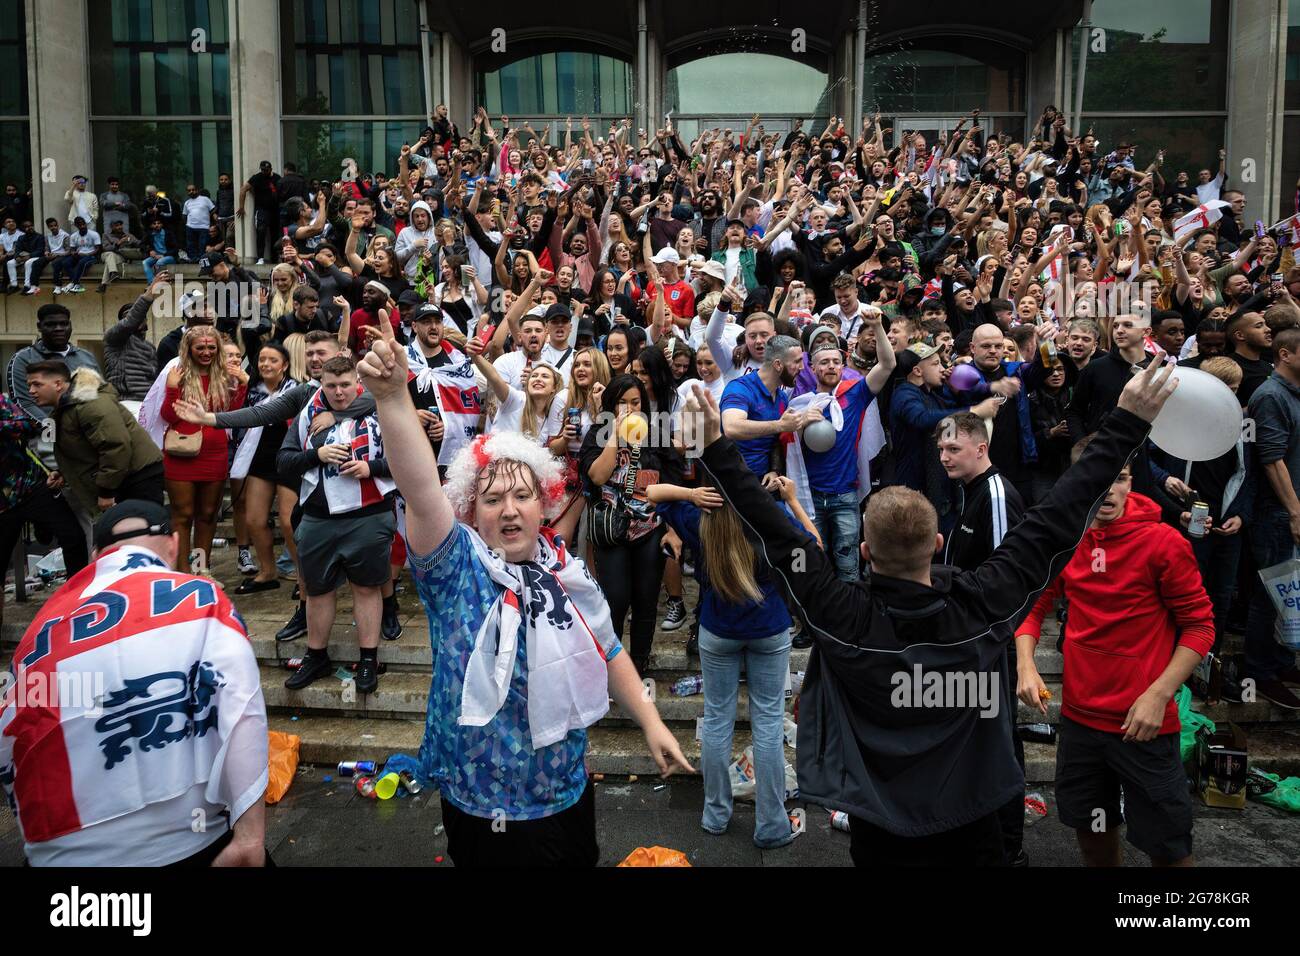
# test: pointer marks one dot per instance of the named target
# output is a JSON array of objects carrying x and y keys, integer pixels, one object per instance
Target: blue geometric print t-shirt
[{"x": 489, "y": 771}]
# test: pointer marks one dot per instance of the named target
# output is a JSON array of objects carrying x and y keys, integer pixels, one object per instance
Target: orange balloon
[{"x": 634, "y": 429}]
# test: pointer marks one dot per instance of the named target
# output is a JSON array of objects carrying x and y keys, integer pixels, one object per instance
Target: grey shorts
[{"x": 332, "y": 550}]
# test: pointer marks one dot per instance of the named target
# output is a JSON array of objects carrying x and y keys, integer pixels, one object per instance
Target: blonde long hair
[
  {"x": 296, "y": 346},
  {"x": 579, "y": 396},
  {"x": 529, "y": 423},
  {"x": 728, "y": 556},
  {"x": 220, "y": 385},
  {"x": 282, "y": 303}
]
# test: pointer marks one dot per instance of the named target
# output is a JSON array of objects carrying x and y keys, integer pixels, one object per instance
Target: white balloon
[
  {"x": 1201, "y": 420},
  {"x": 819, "y": 436}
]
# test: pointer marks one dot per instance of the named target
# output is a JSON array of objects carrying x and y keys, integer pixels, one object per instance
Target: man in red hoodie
[{"x": 1140, "y": 621}]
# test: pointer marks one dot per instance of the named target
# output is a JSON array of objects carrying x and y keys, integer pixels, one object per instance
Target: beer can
[
  {"x": 575, "y": 417},
  {"x": 1196, "y": 524},
  {"x": 409, "y": 782},
  {"x": 366, "y": 787},
  {"x": 355, "y": 768}
]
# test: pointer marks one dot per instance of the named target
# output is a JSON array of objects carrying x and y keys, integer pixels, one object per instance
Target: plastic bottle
[
  {"x": 1043, "y": 733},
  {"x": 688, "y": 686}
]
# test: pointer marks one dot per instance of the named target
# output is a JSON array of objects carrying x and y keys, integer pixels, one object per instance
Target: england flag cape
[
  {"x": 344, "y": 494},
  {"x": 1202, "y": 217},
  {"x": 253, "y": 436},
  {"x": 457, "y": 395},
  {"x": 870, "y": 440},
  {"x": 150, "y": 414},
  {"x": 134, "y": 685}
]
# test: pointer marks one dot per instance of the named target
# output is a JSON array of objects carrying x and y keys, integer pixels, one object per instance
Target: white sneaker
[
  {"x": 77, "y": 289},
  {"x": 58, "y": 289},
  {"x": 261, "y": 262},
  {"x": 31, "y": 290}
]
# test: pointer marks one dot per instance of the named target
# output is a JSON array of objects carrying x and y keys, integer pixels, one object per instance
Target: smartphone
[
  {"x": 1015, "y": 251},
  {"x": 1259, "y": 229},
  {"x": 485, "y": 334}
]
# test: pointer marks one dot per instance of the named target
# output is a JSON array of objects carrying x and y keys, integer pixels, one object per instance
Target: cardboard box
[{"x": 1221, "y": 767}]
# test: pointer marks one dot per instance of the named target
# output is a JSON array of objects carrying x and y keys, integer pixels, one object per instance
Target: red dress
[{"x": 211, "y": 463}]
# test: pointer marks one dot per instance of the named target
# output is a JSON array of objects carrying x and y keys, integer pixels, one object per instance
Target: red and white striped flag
[
  {"x": 1287, "y": 231},
  {"x": 1202, "y": 217}
]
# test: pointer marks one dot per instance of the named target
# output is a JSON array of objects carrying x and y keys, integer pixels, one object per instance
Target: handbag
[
  {"x": 179, "y": 445},
  {"x": 610, "y": 520}
]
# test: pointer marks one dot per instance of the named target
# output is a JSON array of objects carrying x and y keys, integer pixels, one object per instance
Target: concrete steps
[{"x": 391, "y": 720}]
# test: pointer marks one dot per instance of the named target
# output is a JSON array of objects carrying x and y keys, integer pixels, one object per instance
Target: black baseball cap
[
  {"x": 426, "y": 313},
  {"x": 158, "y": 519},
  {"x": 557, "y": 312},
  {"x": 409, "y": 297}
]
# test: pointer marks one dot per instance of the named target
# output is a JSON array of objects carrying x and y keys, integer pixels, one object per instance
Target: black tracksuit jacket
[{"x": 916, "y": 771}]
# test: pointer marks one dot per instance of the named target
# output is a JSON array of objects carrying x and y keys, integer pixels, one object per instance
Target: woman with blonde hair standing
[
  {"x": 587, "y": 382},
  {"x": 195, "y": 456}
]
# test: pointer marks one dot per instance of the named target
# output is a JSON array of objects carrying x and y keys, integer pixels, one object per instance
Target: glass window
[
  {"x": 1289, "y": 187},
  {"x": 13, "y": 53},
  {"x": 15, "y": 154},
  {"x": 744, "y": 84},
  {"x": 564, "y": 83},
  {"x": 167, "y": 155},
  {"x": 143, "y": 59},
  {"x": 1160, "y": 55},
  {"x": 941, "y": 79},
  {"x": 1190, "y": 142},
  {"x": 318, "y": 148},
  {"x": 350, "y": 58},
  {"x": 1293, "y": 55}
]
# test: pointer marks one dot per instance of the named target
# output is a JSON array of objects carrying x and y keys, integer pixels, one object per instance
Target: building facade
[{"x": 176, "y": 91}]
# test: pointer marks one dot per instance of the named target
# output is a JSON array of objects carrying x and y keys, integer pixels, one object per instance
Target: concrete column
[
  {"x": 58, "y": 74},
  {"x": 1257, "y": 39},
  {"x": 254, "y": 100}
]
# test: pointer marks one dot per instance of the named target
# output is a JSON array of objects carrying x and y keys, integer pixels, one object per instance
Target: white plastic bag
[
  {"x": 1282, "y": 582},
  {"x": 742, "y": 777}
]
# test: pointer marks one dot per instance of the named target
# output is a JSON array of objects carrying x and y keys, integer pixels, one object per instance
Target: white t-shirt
[
  {"x": 198, "y": 212},
  {"x": 849, "y": 325},
  {"x": 56, "y": 245},
  {"x": 83, "y": 244},
  {"x": 10, "y": 239},
  {"x": 510, "y": 416}
]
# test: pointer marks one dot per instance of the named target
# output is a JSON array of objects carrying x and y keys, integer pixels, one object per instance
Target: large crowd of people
[{"x": 880, "y": 396}]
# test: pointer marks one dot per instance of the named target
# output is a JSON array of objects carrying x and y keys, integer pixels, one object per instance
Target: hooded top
[
  {"x": 1135, "y": 594},
  {"x": 404, "y": 249}
]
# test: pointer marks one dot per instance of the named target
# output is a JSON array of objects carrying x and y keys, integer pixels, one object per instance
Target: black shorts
[
  {"x": 567, "y": 838},
  {"x": 332, "y": 550},
  {"x": 1093, "y": 767}
]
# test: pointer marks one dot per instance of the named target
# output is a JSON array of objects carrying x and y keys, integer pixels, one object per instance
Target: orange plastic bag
[
  {"x": 655, "y": 856},
  {"x": 283, "y": 763}
]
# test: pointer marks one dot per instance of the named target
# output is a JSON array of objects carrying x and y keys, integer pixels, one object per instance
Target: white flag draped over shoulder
[
  {"x": 871, "y": 439},
  {"x": 1202, "y": 217}
]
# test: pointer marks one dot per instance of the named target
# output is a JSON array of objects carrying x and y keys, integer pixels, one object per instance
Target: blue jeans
[
  {"x": 839, "y": 522},
  {"x": 767, "y": 661},
  {"x": 194, "y": 242},
  {"x": 1270, "y": 543},
  {"x": 1217, "y": 556},
  {"x": 152, "y": 265}
]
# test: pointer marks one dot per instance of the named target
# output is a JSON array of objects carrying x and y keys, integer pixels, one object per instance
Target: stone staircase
[{"x": 391, "y": 720}]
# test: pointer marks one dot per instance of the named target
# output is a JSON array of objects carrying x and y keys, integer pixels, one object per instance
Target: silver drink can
[{"x": 1196, "y": 524}]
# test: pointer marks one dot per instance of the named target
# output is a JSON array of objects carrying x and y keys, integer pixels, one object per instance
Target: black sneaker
[
  {"x": 802, "y": 641},
  {"x": 676, "y": 615},
  {"x": 313, "y": 668},
  {"x": 367, "y": 675},
  {"x": 296, "y": 627},
  {"x": 1278, "y": 693},
  {"x": 390, "y": 628}
]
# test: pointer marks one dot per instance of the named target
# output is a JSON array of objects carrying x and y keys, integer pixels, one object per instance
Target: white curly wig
[{"x": 463, "y": 472}]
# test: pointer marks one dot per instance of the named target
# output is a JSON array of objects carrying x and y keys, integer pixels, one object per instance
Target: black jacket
[
  {"x": 990, "y": 507},
  {"x": 916, "y": 770}
]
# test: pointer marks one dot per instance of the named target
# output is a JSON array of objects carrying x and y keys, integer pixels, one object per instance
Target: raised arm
[
  {"x": 1039, "y": 547},
  {"x": 429, "y": 515}
]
